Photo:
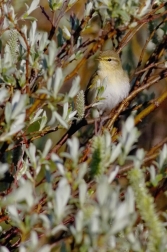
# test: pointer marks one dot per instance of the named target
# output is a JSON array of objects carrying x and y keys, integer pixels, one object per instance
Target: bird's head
[{"x": 109, "y": 60}]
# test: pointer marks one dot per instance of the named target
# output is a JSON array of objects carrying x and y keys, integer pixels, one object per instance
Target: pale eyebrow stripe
[{"x": 114, "y": 59}]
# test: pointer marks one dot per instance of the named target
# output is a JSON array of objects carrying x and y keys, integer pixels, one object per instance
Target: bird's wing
[{"x": 91, "y": 85}]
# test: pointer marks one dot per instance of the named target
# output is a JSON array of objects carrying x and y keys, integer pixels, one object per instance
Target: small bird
[{"x": 110, "y": 81}]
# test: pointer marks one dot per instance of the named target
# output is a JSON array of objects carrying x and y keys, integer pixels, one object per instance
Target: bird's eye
[{"x": 109, "y": 60}]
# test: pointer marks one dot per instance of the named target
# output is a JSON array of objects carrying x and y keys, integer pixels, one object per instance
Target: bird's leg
[
  {"x": 99, "y": 122},
  {"x": 102, "y": 121}
]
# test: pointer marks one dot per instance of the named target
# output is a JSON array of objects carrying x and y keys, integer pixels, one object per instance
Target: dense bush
[{"x": 89, "y": 192}]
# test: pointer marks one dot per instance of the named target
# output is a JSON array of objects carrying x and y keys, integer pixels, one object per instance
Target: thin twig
[
  {"x": 130, "y": 166},
  {"x": 150, "y": 108}
]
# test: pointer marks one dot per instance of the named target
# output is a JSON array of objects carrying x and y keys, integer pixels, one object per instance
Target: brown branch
[
  {"x": 145, "y": 160},
  {"x": 46, "y": 15},
  {"x": 150, "y": 108},
  {"x": 28, "y": 52},
  {"x": 128, "y": 37},
  {"x": 152, "y": 65},
  {"x": 36, "y": 105},
  {"x": 157, "y": 146}
]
